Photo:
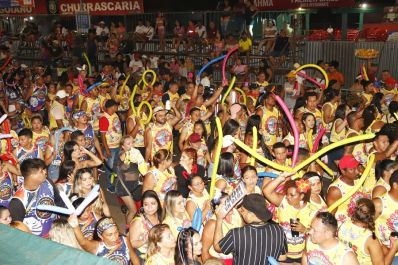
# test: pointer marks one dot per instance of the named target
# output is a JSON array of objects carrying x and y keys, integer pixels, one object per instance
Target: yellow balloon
[
  {"x": 317, "y": 67},
  {"x": 124, "y": 85},
  {"x": 365, "y": 173},
  {"x": 253, "y": 159},
  {"x": 242, "y": 93},
  {"x": 332, "y": 146},
  {"x": 150, "y": 111},
  {"x": 153, "y": 77},
  {"x": 261, "y": 158},
  {"x": 231, "y": 85},
  {"x": 132, "y": 100},
  {"x": 323, "y": 165},
  {"x": 365, "y": 75},
  {"x": 216, "y": 158},
  {"x": 104, "y": 84}
]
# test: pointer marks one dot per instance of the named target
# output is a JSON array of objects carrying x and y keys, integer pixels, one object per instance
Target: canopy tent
[{"x": 17, "y": 247}]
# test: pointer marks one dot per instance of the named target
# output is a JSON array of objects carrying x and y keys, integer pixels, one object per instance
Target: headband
[{"x": 105, "y": 224}]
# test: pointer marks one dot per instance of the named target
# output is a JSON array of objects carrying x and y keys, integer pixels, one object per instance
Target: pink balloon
[
  {"x": 309, "y": 78},
  {"x": 317, "y": 140},
  {"x": 224, "y": 63},
  {"x": 294, "y": 128},
  {"x": 81, "y": 85}
]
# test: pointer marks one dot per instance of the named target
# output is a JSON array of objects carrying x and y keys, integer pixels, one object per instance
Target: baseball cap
[
  {"x": 62, "y": 94},
  {"x": 79, "y": 114},
  {"x": 158, "y": 109},
  {"x": 291, "y": 74},
  {"x": 256, "y": 204},
  {"x": 348, "y": 161},
  {"x": 227, "y": 141},
  {"x": 194, "y": 138}
]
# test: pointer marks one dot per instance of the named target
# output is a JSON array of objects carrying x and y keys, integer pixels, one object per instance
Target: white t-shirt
[
  {"x": 140, "y": 29},
  {"x": 154, "y": 61},
  {"x": 201, "y": 30},
  {"x": 205, "y": 81},
  {"x": 137, "y": 66},
  {"x": 102, "y": 31}
]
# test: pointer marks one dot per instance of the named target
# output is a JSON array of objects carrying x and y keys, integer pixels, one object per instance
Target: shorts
[{"x": 134, "y": 187}]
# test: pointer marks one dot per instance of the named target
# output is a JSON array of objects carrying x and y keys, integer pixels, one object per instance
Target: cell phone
[{"x": 394, "y": 234}]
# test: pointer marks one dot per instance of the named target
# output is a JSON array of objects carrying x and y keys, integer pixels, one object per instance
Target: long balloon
[
  {"x": 317, "y": 67},
  {"x": 216, "y": 158},
  {"x": 311, "y": 147},
  {"x": 124, "y": 85},
  {"x": 242, "y": 93},
  {"x": 255, "y": 136},
  {"x": 81, "y": 85},
  {"x": 231, "y": 85},
  {"x": 153, "y": 77},
  {"x": 365, "y": 75},
  {"x": 7, "y": 130},
  {"x": 67, "y": 202},
  {"x": 95, "y": 85},
  {"x": 272, "y": 261},
  {"x": 5, "y": 136},
  {"x": 90, "y": 197},
  {"x": 55, "y": 209},
  {"x": 5, "y": 64},
  {"x": 132, "y": 100},
  {"x": 332, "y": 146},
  {"x": 260, "y": 157},
  {"x": 88, "y": 63},
  {"x": 207, "y": 65},
  {"x": 58, "y": 134},
  {"x": 224, "y": 63},
  {"x": 309, "y": 78},
  {"x": 317, "y": 140},
  {"x": 3, "y": 118},
  {"x": 267, "y": 174},
  {"x": 365, "y": 173},
  {"x": 150, "y": 111},
  {"x": 294, "y": 128}
]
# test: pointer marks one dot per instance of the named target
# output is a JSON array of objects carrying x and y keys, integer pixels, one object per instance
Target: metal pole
[
  {"x": 360, "y": 27},
  {"x": 344, "y": 19}
]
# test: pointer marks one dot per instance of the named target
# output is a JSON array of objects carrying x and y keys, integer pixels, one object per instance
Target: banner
[
  {"x": 70, "y": 7},
  {"x": 294, "y": 4},
  {"x": 16, "y": 3}
]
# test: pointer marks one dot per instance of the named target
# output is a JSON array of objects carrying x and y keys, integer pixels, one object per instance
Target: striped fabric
[{"x": 252, "y": 244}]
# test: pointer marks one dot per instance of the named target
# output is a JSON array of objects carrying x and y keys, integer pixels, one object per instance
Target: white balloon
[
  {"x": 90, "y": 197},
  {"x": 3, "y": 118}
]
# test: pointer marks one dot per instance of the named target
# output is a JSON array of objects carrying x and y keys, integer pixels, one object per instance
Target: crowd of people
[{"x": 152, "y": 139}]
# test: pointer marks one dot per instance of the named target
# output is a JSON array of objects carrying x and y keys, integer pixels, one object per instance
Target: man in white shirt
[
  {"x": 136, "y": 65},
  {"x": 140, "y": 34},
  {"x": 102, "y": 31}
]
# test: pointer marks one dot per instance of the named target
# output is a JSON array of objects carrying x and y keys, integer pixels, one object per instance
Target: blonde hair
[
  {"x": 61, "y": 232},
  {"x": 170, "y": 202},
  {"x": 20, "y": 226},
  {"x": 155, "y": 236}
]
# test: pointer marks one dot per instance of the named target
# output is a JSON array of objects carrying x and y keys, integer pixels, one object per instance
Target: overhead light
[
  {"x": 300, "y": 9},
  {"x": 30, "y": 18},
  {"x": 363, "y": 5}
]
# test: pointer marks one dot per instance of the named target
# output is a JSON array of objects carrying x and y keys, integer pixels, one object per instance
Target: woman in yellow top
[
  {"x": 175, "y": 215},
  {"x": 289, "y": 138},
  {"x": 41, "y": 134},
  {"x": 231, "y": 220},
  {"x": 309, "y": 123},
  {"x": 198, "y": 198},
  {"x": 161, "y": 177},
  {"x": 368, "y": 90},
  {"x": 332, "y": 99},
  {"x": 149, "y": 215},
  {"x": 250, "y": 178},
  {"x": 383, "y": 172},
  {"x": 294, "y": 211},
  {"x": 359, "y": 234},
  {"x": 338, "y": 131},
  {"x": 316, "y": 190},
  {"x": 244, "y": 158},
  {"x": 161, "y": 245},
  {"x": 372, "y": 119}
]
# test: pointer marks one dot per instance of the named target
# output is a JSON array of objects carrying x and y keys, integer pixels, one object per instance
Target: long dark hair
[
  {"x": 369, "y": 115},
  {"x": 376, "y": 101},
  {"x": 226, "y": 165},
  {"x": 364, "y": 213},
  {"x": 383, "y": 165},
  {"x": 202, "y": 124},
  {"x": 230, "y": 127},
  {"x": 65, "y": 170},
  {"x": 68, "y": 149},
  {"x": 340, "y": 112},
  {"x": 151, "y": 194},
  {"x": 304, "y": 117},
  {"x": 183, "y": 254}
]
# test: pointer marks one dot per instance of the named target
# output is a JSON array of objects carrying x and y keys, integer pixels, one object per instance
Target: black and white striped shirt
[{"x": 252, "y": 244}]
